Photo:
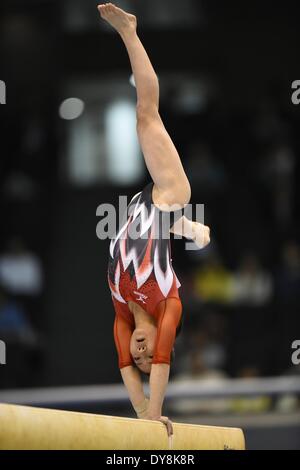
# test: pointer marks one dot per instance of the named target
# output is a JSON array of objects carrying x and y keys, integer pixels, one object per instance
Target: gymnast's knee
[{"x": 179, "y": 191}]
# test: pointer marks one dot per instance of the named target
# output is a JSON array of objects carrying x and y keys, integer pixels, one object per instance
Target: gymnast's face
[{"x": 142, "y": 346}]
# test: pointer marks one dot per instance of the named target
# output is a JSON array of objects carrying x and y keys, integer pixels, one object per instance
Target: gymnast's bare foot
[{"x": 120, "y": 20}]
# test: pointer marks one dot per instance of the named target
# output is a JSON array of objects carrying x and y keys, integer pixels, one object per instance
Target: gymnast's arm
[
  {"x": 159, "y": 378},
  {"x": 133, "y": 383},
  {"x": 130, "y": 374},
  {"x": 168, "y": 321},
  {"x": 195, "y": 231},
  {"x": 144, "y": 408}
]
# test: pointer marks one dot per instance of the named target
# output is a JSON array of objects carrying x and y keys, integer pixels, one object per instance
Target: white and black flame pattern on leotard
[{"x": 142, "y": 245}]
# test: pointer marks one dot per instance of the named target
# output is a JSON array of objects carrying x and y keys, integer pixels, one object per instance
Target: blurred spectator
[
  {"x": 208, "y": 354},
  {"x": 14, "y": 324},
  {"x": 204, "y": 360},
  {"x": 251, "y": 284},
  {"x": 213, "y": 282},
  {"x": 279, "y": 170},
  {"x": 22, "y": 344},
  {"x": 256, "y": 403},
  {"x": 204, "y": 349},
  {"x": 288, "y": 278},
  {"x": 20, "y": 270}
]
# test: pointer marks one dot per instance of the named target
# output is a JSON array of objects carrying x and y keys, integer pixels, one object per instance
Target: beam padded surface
[{"x": 24, "y": 427}]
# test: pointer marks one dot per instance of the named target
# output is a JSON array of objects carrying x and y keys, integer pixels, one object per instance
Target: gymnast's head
[
  {"x": 143, "y": 339},
  {"x": 142, "y": 345}
]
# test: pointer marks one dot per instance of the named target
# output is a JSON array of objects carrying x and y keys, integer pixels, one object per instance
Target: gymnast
[{"x": 141, "y": 278}]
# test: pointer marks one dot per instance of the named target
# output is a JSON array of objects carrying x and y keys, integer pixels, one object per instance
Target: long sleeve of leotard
[
  {"x": 122, "y": 335},
  {"x": 168, "y": 319}
]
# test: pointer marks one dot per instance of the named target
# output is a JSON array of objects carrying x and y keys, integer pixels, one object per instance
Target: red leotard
[{"x": 140, "y": 269}]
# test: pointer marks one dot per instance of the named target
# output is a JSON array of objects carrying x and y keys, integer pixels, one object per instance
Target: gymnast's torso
[{"x": 140, "y": 265}]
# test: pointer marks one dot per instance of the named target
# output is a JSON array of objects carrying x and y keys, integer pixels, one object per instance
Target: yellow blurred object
[
  {"x": 213, "y": 283},
  {"x": 252, "y": 405}
]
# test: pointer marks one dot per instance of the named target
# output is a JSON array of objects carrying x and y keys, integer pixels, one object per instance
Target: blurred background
[{"x": 68, "y": 144}]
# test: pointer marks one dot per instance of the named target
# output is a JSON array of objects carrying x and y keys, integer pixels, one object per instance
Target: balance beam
[{"x": 28, "y": 428}]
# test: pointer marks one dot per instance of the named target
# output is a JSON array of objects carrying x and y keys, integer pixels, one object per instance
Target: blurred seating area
[
  {"x": 21, "y": 288},
  {"x": 241, "y": 294},
  {"x": 226, "y": 103}
]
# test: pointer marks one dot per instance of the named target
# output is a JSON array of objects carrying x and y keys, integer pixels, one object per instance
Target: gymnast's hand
[
  {"x": 142, "y": 412},
  {"x": 201, "y": 234},
  {"x": 196, "y": 231},
  {"x": 166, "y": 421}
]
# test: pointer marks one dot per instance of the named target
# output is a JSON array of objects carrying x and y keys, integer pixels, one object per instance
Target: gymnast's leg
[{"x": 171, "y": 185}]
